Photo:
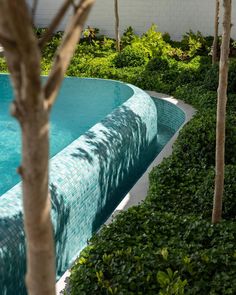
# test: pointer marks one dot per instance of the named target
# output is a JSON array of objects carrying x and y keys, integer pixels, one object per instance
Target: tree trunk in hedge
[
  {"x": 216, "y": 32},
  {"x": 31, "y": 107},
  {"x": 117, "y": 26},
  {"x": 221, "y": 114}
]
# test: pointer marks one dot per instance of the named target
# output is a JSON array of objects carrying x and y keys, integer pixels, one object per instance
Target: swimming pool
[
  {"x": 73, "y": 114},
  {"x": 89, "y": 173}
]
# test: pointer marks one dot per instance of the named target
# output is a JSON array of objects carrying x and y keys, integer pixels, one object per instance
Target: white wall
[{"x": 173, "y": 16}]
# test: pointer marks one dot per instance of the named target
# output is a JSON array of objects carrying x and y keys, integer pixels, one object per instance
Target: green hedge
[
  {"x": 196, "y": 142},
  {"x": 148, "y": 252}
]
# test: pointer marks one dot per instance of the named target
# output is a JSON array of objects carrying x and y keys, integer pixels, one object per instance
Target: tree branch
[
  {"x": 7, "y": 42},
  {"x": 11, "y": 52},
  {"x": 66, "y": 51},
  {"x": 54, "y": 24}
]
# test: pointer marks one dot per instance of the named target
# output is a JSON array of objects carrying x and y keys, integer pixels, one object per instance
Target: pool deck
[{"x": 139, "y": 191}]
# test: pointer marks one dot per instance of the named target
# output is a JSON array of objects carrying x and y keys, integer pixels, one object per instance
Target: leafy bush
[
  {"x": 158, "y": 64},
  {"x": 3, "y": 65},
  {"x": 194, "y": 44},
  {"x": 172, "y": 181},
  {"x": 152, "y": 80},
  {"x": 51, "y": 47},
  {"x": 153, "y": 41},
  {"x": 197, "y": 96},
  {"x": 90, "y": 34},
  {"x": 212, "y": 77},
  {"x": 196, "y": 142},
  {"x": 128, "y": 37},
  {"x": 204, "y": 194},
  {"x": 178, "y": 74},
  {"x": 148, "y": 252},
  {"x": 131, "y": 56}
]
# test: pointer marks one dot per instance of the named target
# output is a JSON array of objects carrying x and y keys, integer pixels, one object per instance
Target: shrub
[
  {"x": 148, "y": 252},
  {"x": 205, "y": 193},
  {"x": 51, "y": 47},
  {"x": 172, "y": 181},
  {"x": 90, "y": 34},
  {"x": 128, "y": 37},
  {"x": 196, "y": 142},
  {"x": 194, "y": 44},
  {"x": 152, "y": 80},
  {"x": 131, "y": 56},
  {"x": 178, "y": 74},
  {"x": 153, "y": 41},
  {"x": 212, "y": 77},
  {"x": 158, "y": 64},
  {"x": 96, "y": 67},
  {"x": 197, "y": 96},
  {"x": 3, "y": 65},
  {"x": 173, "y": 186}
]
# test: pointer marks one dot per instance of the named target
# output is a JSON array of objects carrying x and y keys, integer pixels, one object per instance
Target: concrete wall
[{"x": 173, "y": 16}]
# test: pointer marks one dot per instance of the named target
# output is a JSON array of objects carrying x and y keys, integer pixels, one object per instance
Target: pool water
[{"x": 81, "y": 104}]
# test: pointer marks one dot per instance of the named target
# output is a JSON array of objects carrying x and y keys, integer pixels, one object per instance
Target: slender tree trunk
[
  {"x": 31, "y": 107},
  {"x": 34, "y": 8},
  {"x": 37, "y": 206},
  {"x": 117, "y": 26},
  {"x": 221, "y": 114},
  {"x": 215, "y": 41}
]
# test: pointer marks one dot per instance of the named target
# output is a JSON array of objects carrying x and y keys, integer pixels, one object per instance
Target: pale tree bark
[
  {"x": 216, "y": 33},
  {"x": 221, "y": 113},
  {"x": 31, "y": 107},
  {"x": 117, "y": 25}
]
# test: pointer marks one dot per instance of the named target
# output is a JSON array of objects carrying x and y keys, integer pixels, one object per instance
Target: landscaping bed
[{"x": 167, "y": 245}]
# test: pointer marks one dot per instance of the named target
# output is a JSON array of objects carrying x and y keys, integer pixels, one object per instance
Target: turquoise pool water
[{"x": 81, "y": 104}]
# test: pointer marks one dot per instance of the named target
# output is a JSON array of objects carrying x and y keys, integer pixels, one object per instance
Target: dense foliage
[{"x": 167, "y": 245}]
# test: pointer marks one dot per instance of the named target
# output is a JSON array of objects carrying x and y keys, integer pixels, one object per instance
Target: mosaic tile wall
[
  {"x": 87, "y": 182},
  {"x": 169, "y": 115}
]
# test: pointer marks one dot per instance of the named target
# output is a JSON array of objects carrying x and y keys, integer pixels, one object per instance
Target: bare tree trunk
[
  {"x": 31, "y": 107},
  {"x": 33, "y": 10},
  {"x": 40, "y": 277},
  {"x": 221, "y": 114},
  {"x": 117, "y": 26},
  {"x": 215, "y": 41}
]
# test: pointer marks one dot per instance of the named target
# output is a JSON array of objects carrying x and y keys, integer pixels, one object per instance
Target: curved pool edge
[{"x": 138, "y": 192}]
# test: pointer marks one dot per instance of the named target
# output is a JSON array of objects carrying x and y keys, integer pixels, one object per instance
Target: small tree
[
  {"x": 216, "y": 32},
  {"x": 117, "y": 26},
  {"x": 31, "y": 107},
  {"x": 221, "y": 113}
]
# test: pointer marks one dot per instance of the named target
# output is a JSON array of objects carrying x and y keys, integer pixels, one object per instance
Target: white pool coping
[{"x": 139, "y": 191}]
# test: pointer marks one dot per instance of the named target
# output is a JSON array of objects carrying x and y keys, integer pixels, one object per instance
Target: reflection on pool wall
[{"x": 87, "y": 181}]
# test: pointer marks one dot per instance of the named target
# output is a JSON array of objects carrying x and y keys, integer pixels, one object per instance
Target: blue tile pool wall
[
  {"x": 109, "y": 156},
  {"x": 168, "y": 114},
  {"x": 170, "y": 119},
  {"x": 87, "y": 181}
]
